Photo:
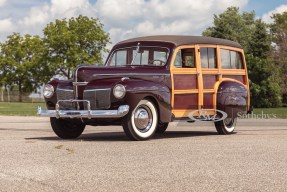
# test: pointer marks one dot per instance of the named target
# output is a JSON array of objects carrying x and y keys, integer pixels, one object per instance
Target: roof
[{"x": 178, "y": 40}]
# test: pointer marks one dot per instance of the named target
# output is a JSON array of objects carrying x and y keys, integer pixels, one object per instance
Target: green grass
[
  {"x": 273, "y": 113},
  {"x": 30, "y": 109},
  {"x": 21, "y": 109}
]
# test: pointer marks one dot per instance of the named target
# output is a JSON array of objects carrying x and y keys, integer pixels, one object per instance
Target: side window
[
  {"x": 119, "y": 58},
  {"x": 225, "y": 58},
  {"x": 178, "y": 61},
  {"x": 231, "y": 59},
  {"x": 208, "y": 57},
  {"x": 185, "y": 58},
  {"x": 159, "y": 57},
  {"x": 236, "y": 61}
]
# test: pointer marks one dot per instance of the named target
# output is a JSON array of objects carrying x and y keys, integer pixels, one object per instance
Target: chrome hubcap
[{"x": 143, "y": 119}]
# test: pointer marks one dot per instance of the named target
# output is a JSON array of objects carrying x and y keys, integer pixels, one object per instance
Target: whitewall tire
[
  {"x": 141, "y": 123},
  {"x": 226, "y": 126}
]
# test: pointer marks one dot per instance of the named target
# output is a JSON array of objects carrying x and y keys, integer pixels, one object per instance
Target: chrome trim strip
[
  {"x": 131, "y": 74},
  {"x": 97, "y": 89},
  {"x": 80, "y": 83},
  {"x": 70, "y": 90},
  {"x": 76, "y": 87},
  {"x": 120, "y": 112}
]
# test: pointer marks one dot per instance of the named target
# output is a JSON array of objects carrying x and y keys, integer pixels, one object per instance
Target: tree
[
  {"x": 233, "y": 26},
  {"x": 253, "y": 35},
  {"x": 260, "y": 44},
  {"x": 279, "y": 37},
  {"x": 264, "y": 82},
  {"x": 1, "y": 84},
  {"x": 243, "y": 28},
  {"x": 20, "y": 62},
  {"x": 77, "y": 41}
]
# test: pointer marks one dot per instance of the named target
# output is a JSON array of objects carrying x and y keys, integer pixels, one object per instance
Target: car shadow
[
  {"x": 120, "y": 136},
  {"x": 178, "y": 134}
]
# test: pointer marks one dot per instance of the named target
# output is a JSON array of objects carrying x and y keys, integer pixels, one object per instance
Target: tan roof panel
[{"x": 183, "y": 40}]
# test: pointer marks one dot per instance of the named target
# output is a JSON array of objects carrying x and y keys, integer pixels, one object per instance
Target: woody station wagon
[{"x": 148, "y": 82}]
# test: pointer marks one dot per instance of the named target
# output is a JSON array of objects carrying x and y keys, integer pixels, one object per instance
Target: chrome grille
[
  {"x": 66, "y": 94},
  {"x": 99, "y": 98}
]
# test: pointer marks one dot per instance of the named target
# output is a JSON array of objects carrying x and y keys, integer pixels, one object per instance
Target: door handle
[{"x": 198, "y": 73}]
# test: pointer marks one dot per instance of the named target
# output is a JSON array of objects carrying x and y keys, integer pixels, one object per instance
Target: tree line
[{"x": 27, "y": 62}]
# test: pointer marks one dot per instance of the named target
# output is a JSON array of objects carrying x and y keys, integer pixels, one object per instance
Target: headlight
[
  {"x": 48, "y": 91},
  {"x": 119, "y": 91}
]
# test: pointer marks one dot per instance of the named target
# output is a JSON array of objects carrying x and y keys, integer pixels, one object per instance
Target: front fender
[
  {"x": 138, "y": 90},
  {"x": 51, "y": 102}
]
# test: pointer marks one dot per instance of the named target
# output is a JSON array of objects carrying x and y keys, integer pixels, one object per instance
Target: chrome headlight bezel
[
  {"x": 48, "y": 91},
  {"x": 119, "y": 91}
]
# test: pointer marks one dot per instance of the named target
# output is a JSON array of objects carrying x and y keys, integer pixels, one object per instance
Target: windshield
[{"x": 154, "y": 56}]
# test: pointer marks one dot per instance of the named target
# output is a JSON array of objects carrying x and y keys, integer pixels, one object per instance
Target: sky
[{"x": 124, "y": 19}]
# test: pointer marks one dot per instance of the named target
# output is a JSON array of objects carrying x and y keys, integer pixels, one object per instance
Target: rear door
[{"x": 186, "y": 81}]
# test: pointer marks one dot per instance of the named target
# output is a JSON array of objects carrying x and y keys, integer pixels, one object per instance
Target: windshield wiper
[{"x": 137, "y": 51}]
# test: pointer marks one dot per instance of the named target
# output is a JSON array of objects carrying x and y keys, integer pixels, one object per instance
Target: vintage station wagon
[{"x": 148, "y": 82}]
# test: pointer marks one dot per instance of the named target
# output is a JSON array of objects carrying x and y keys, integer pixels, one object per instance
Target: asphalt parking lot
[{"x": 188, "y": 157}]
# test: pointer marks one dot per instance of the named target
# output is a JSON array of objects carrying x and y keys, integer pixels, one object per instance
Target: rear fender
[{"x": 232, "y": 98}]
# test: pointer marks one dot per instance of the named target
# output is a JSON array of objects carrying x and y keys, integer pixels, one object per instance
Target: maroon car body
[{"x": 144, "y": 70}]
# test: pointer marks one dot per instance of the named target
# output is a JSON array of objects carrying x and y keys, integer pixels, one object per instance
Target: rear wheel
[
  {"x": 65, "y": 129},
  {"x": 226, "y": 126},
  {"x": 141, "y": 123}
]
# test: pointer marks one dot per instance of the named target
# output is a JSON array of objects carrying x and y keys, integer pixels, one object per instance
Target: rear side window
[
  {"x": 231, "y": 59},
  {"x": 208, "y": 57}
]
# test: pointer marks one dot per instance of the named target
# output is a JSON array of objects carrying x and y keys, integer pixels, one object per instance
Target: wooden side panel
[
  {"x": 208, "y": 101},
  {"x": 185, "y": 81},
  {"x": 185, "y": 101},
  {"x": 209, "y": 81}
]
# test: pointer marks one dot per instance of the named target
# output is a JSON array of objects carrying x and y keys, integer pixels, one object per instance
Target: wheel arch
[
  {"x": 155, "y": 102},
  {"x": 164, "y": 113}
]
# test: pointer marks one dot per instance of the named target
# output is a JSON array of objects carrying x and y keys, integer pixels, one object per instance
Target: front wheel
[
  {"x": 65, "y": 129},
  {"x": 161, "y": 127},
  {"x": 141, "y": 123},
  {"x": 226, "y": 126}
]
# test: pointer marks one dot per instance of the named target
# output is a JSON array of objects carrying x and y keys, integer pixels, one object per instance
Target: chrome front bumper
[{"x": 120, "y": 112}]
